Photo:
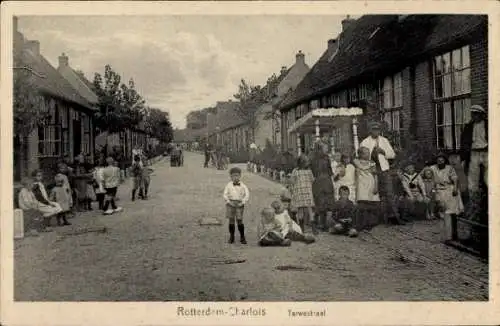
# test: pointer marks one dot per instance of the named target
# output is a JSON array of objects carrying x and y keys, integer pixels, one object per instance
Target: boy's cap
[{"x": 477, "y": 108}]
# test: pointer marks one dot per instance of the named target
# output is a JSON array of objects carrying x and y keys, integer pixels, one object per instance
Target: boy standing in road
[{"x": 236, "y": 195}]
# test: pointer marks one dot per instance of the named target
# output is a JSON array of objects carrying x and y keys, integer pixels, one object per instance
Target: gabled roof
[
  {"x": 53, "y": 83},
  {"x": 381, "y": 42},
  {"x": 78, "y": 83}
]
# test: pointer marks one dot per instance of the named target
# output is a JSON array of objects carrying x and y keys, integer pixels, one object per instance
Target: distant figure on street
[
  {"x": 474, "y": 148},
  {"x": 208, "y": 153},
  {"x": 381, "y": 152},
  {"x": 236, "y": 195}
]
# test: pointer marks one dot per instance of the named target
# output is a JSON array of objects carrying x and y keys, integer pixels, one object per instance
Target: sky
[{"x": 182, "y": 63}]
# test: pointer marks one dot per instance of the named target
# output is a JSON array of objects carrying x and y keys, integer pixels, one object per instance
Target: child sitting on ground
[
  {"x": 41, "y": 201},
  {"x": 414, "y": 199},
  {"x": 344, "y": 214},
  {"x": 291, "y": 229},
  {"x": 272, "y": 232},
  {"x": 61, "y": 195},
  {"x": 29, "y": 202}
]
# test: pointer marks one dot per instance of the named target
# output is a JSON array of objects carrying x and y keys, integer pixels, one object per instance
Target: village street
[{"x": 157, "y": 250}]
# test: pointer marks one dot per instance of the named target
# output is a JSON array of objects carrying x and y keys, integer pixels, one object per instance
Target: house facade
[
  {"x": 266, "y": 128},
  {"x": 227, "y": 128},
  {"x": 419, "y": 74},
  {"x": 69, "y": 129}
]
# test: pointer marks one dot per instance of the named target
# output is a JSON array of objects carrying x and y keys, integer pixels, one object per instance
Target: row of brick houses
[
  {"x": 418, "y": 73},
  {"x": 71, "y": 102},
  {"x": 227, "y": 127}
]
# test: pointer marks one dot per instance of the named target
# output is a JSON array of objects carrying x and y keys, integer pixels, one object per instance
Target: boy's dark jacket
[{"x": 466, "y": 142}]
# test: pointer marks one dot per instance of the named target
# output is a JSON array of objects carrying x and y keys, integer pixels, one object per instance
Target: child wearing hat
[{"x": 236, "y": 195}]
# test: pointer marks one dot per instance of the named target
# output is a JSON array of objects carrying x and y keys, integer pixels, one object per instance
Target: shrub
[{"x": 240, "y": 156}]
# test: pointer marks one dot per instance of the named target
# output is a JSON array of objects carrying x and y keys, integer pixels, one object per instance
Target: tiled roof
[
  {"x": 54, "y": 83},
  {"x": 376, "y": 42},
  {"x": 77, "y": 82}
]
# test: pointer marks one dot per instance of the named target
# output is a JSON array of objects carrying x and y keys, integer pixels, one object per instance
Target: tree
[
  {"x": 250, "y": 99},
  {"x": 158, "y": 124},
  {"x": 111, "y": 116},
  {"x": 132, "y": 105},
  {"x": 28, "y": 110}
]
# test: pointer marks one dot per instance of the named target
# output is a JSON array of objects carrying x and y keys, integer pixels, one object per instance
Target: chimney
[
  {"x": 300, "y": 58},
  {"x": 347, "y": 22},
  {"x": 18, "y": 37},
  {"x": 332, "y": 45},
  {"x": 34, "y": 46},
  {"x": 63, "y": 60}
]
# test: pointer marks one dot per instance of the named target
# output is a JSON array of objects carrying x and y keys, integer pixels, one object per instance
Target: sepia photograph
[{"x": 250, "y": 158}]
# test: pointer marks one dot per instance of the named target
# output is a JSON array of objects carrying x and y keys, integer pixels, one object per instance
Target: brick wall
[
  {"x": 407, "y": 111},
  {"x": 479, "y": 71},
  {"x": 424, "y": 109}
]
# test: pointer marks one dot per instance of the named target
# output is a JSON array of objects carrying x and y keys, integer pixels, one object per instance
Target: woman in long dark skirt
[{"x": 322, "y": 187}]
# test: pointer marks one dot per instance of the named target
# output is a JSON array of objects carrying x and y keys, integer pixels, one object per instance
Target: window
[
  {"x": 394, "y": 123},
  {"x": 86, "y": 134},
  {"x": 49, "y": 136},
  {"x": 353, "y": 95},
  {"x": 391, "y": 102},
  {"x": 452, "y": 74},
  {"x": 450, "y": 119},
  {"x": 452, "y": 88},
  {"x": 314, "y": 104},
  {"x": 363, "y": 91},
  {"x": 392, "y": 91},
  {"x": 335, "y": 100}
]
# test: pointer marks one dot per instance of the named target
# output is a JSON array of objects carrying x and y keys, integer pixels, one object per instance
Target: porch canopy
[{"x": 318, "y": 119}]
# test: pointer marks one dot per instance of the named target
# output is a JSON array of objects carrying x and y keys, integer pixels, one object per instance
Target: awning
[{"x": 327, "y": 117}]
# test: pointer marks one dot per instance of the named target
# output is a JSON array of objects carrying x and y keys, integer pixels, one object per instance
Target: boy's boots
[
  {"x": 133, "y": 194},
  {"x": 241, "y": 229},
  {"x": 231, "y": 233}
]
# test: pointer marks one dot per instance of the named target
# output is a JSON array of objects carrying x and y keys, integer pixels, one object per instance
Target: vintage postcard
[{"x": 249, "y": 163}]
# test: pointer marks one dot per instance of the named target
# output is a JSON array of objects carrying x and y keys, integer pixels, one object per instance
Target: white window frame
[
  {"x": 450, "y": 101},
  {"x": 50, "y": 145},
  {"x": 391, "y": 104}
]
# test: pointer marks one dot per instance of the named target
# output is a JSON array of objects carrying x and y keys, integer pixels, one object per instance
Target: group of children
[
  {"x": 76, "y": 188},
  {"x": 436, "y": 190},
  {"x": 276, "y": 227}
]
